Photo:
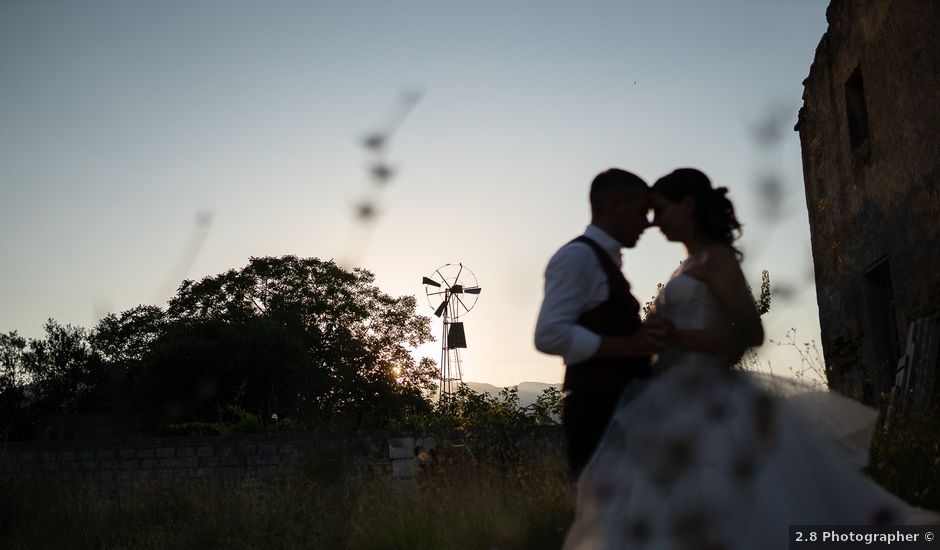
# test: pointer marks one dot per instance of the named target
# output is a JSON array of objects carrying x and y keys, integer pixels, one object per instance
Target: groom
[{"x": 590, "y": 318}]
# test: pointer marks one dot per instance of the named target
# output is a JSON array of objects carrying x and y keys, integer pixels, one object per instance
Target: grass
[
  {"x": 906, "y": 458},
  {"x": 472, "y": 505}
]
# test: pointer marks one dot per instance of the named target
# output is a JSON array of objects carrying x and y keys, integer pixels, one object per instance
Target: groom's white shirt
[{"x": 574, "y": 283}]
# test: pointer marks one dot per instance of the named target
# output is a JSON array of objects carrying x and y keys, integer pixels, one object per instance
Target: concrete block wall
[
  {"x": 241, "y": 457},
  {"x": 201, "y": 457}
]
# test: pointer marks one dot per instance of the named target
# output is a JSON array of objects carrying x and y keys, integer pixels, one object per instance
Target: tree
[
  {"x": 292, "y": 338},
  {"x": 304, "y": 338},
  {"x": 128, "y": 336},
  {"x": 14, "y": 417},
  {"x": 546, "y": 410},
  {"x": 62, "y": 368},
  {"x": 12, "y": 373}
]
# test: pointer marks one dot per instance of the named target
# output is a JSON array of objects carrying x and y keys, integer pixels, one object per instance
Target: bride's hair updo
[{"x": 713, "y": 211}]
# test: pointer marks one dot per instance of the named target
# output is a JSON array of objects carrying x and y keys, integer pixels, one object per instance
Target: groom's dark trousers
[{"x": 594, "y": 387}]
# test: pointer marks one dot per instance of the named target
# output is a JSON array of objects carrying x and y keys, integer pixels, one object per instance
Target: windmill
[{"x": 452, "y": 291}]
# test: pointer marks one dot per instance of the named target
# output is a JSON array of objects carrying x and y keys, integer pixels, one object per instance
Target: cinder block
[
  {"x": 68, "y": 476},
  {"x": 245, "y": 449},
  {"x": 292, "y": 458},
  {"x": 208, "y": 461},
  {"x": 270, "y": 460},
  {"x": 105, "y": 475},
  {"x": 166, "y": 452},
  {"x": 205, "y": 450},
  {"x": 403, "y": 468},
  {"x": 328, "y": 451},
  {"x": 87, "y": 454},
  {"x": 267, "y": 449},
  {"x": 232, "y": 461},
  {"x": 402, "y": 447}
]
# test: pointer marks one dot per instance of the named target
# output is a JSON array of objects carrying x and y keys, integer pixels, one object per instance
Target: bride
[{"x": 707, "y": 456}]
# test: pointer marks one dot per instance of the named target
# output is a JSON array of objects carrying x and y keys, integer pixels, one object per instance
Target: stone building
[{"x": 870, "y": 135}]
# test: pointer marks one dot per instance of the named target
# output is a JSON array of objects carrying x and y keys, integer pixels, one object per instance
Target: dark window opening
[
  {"x": 868, "y": 394},
  {"x": 856, "y": 110},
  {"x": 883, "y": 321}
]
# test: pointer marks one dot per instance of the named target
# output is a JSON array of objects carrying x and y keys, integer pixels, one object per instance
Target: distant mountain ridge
[{"x": 528, "y": 391}]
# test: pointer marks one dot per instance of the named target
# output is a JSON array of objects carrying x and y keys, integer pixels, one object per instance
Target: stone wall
[
  {"x": 870, "y": 136},
  {"x": 250, "y": 457}
]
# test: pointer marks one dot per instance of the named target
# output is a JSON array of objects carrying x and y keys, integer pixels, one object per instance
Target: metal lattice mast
[{"x": 457, "y": 288}]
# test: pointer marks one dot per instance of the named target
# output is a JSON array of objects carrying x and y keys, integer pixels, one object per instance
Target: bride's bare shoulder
[
  {"x": 720, "y": 253},
  {"x": 715, "y": 261}
]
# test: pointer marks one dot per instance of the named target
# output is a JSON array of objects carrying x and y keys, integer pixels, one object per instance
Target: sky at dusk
[{"x": 143, "y": 143}]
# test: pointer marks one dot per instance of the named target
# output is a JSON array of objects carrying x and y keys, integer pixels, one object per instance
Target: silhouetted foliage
[
  {"x": 60, "y": 373},
  {"x": 14, "y": 410},
  {"x": 126, "y": 337},
  {"x": 304, "y": 338},
  {"x": 469, "y": 410},
  {"x": 290, "y": 338},
  {"x": 494, "y": 422},
  {"x": 61, "y": 368}
]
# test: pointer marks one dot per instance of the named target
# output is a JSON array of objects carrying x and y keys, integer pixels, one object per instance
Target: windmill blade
[
  {"x": 465, "y": 308},
  {"x": 459, "y": 273},
  {"x": 438, "y": 271},
  {"x": 472, "y": 290},
  {"x": 438, "y": 293},
  {"x": 429, "y": 281},
  {"x": 440, "y": 309}
]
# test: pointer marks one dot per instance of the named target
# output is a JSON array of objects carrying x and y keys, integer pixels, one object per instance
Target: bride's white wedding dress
[{"x": 710, "y": 457}]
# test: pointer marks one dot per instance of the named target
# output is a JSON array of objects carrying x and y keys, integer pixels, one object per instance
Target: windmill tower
[{"x": 452, "y": 291}]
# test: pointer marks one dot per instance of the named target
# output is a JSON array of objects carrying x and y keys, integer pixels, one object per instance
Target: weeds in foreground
[
  {"x": 481, "y": 505},
  {"x": 905, "y": 459},
  {"x": 477, "y": 504}
]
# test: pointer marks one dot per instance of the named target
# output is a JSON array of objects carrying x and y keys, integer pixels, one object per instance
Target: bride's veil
[{"x": 848, "y": 424}]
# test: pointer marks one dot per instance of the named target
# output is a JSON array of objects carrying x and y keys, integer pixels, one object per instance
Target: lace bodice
[{"x": 690, "y": 305}]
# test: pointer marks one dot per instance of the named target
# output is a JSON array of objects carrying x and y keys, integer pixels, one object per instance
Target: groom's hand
[
  {"x": 646, "y": 341},
  {"x": 660, "y": 329},
  {"x": 650, "y": 339}
]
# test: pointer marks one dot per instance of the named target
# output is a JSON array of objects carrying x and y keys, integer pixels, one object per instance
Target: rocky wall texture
[{"x": 870, "y": 135}]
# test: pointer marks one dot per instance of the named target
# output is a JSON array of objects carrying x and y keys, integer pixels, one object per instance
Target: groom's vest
[{"x": 619, "y": 315}]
